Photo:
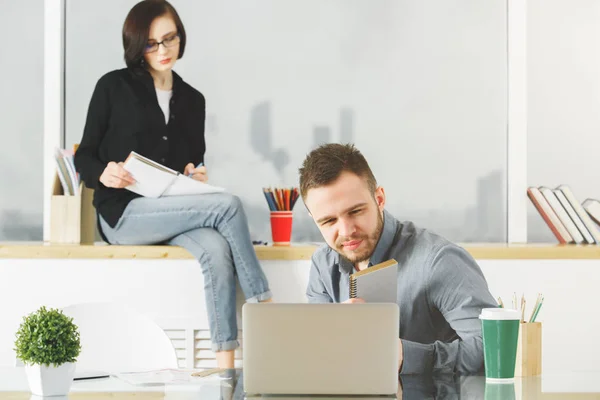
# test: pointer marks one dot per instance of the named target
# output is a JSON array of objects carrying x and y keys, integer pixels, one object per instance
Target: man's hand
[
  {"x": 115, "y": 176},
  {"x": 400, "y": 354},
  {"x": 198, "y": 174},
  {"x": 357, "y": 300}
]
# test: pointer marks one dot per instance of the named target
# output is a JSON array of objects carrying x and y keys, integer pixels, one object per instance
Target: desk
[{"x": 572, "y": 386}]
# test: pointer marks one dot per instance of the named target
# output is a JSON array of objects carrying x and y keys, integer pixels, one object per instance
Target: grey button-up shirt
[{"x": 441, "y": 291}]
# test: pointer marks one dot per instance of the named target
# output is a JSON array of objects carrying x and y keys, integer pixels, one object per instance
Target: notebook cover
[{"x": 377, "y": 284}]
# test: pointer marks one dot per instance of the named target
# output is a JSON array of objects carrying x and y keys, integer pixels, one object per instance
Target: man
[{"x": 441, "y": 289}]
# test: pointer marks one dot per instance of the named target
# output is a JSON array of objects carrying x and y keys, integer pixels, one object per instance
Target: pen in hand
[{"x": 198, "y": 166}]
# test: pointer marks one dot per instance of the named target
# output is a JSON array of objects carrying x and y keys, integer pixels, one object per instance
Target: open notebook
[
  {"x": 377, "y": 284},
  {"x": 156, "y": 180}
]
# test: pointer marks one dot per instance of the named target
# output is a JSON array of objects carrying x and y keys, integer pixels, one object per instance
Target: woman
[{"x": 149, "y": 109}]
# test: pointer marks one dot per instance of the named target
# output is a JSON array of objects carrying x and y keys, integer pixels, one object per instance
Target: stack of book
[
  {"x": 569, "y": 220},
  {"x": 65, "y": 168}
]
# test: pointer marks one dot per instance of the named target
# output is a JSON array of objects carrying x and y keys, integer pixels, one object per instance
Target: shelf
[
  {"x": 102, "y": 251},
  {"x": 479, "y": 251}
]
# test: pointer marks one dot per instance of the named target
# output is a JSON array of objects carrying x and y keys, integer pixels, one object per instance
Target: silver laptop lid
[{"x": 320, "y": 348}]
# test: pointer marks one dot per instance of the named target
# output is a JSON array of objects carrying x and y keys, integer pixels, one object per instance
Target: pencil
[
  {"x": 537, "y": 311},
  {"x": 535, "y": 306}
]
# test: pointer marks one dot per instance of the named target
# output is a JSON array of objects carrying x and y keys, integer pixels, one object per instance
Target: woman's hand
[
  {"x": 198, "y": 174},
  {"x": 115, "y": 176}
]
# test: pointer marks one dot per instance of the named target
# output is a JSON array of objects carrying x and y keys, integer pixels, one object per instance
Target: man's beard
[{"x": 369, "y": 240}]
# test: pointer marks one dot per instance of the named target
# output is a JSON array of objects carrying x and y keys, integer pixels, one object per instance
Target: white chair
[{"x": 115, "y": 338}]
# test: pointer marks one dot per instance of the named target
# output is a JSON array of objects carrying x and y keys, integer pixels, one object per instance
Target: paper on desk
[{"x": 167, "y": 376}]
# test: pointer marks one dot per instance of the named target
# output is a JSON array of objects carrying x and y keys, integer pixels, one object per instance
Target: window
[
  {"x": 21, "y": 113},
  {"x": 422, "y": 95},
  {"x": 563, "y": 102}
]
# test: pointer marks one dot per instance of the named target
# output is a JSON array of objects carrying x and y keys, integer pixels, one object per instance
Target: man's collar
[{"x": 388, "y": 233}]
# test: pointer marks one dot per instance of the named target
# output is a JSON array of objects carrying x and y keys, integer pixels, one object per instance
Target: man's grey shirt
[{"x": 441, "y": 291}]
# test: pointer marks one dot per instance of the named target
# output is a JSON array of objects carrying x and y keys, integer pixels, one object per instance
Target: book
[
  {"x": 585, "y": 218},
  {"x": 156, "y": 180},
  {"x": 549, "y": 216},
  {"x": 566, "y": 203},
  {"x": 65, "y": 168},
  {"x": 377, "y": 284},
  {"x": 592, "y": 206},
  {"x": 561, "y": 213}
]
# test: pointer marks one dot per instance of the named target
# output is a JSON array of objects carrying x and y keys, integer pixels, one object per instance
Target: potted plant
[{"x": 48, "y": 344}]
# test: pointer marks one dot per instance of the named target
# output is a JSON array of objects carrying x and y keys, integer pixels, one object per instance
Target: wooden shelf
[
  {"x": 101, "y": 251},
  {"x": 503, "y": 251},
  {"x": 479, "y": 251}
]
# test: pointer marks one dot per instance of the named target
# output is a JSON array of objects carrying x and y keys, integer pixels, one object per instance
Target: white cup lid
[{"x": 500, "y": 314}]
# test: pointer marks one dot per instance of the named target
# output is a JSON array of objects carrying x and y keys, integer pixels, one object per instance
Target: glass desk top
[{"x": 229, "y": 386}]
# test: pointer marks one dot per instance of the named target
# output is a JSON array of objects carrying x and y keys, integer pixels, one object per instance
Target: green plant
[{"x": 47, "y": 337}]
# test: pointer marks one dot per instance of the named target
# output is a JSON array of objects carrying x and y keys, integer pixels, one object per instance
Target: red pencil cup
[{"x": 281, "y": 227}]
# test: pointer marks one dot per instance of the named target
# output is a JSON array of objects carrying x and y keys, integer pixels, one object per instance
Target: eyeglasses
[{"x": 170, "y": 41}]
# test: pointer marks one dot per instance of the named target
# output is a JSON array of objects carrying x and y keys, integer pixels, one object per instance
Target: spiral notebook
[
  {"x": 156, "y": 180},
  {"x": 377, "y": 284}
]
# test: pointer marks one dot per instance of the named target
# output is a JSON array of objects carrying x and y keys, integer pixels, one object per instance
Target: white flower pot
[{"x": 50, "y": 381}]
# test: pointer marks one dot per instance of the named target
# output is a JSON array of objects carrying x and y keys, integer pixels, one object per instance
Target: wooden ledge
[
  {"x": 479, "y": 251},
  {"x": 102, "y": 251},
  {"x": 530, "y": 251}
]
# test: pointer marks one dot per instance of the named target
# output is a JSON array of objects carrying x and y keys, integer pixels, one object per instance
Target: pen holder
[
  {"x": 529, "y": 349},
  {"x": 281, "y": 227},
  {"x": 72, "y": 218}
]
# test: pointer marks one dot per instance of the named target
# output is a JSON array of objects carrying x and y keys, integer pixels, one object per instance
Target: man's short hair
[{"x": 326, "y": 163}]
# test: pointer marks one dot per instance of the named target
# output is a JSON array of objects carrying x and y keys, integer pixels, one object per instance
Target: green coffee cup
[{"x": 500, "y": 328}]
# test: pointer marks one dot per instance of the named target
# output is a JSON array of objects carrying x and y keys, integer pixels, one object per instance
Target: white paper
[
  {"x": 166, "y": 376},
  {"x": 156, "y": 180},
  {"x": 184, "y": 185},
  {"x": 150, "y": 181}
]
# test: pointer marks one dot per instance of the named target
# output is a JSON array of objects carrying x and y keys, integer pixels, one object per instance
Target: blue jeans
[{"x": 214, "y": 229}]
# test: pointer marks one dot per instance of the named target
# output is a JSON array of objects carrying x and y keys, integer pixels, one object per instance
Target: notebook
[
  {"x": 561, "y": 213},
  {"x": 585, "y": 218},
  {"x": 377, "y": 284},
  {"x": 549, "y": 216},
  {"x": 156, "y": 180},
  {"x": 592, "y": 206},
  {"x": 562, "y": 198}
]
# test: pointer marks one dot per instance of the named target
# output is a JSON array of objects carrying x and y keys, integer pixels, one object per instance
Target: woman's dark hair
[{"x": 137, "y": 28}]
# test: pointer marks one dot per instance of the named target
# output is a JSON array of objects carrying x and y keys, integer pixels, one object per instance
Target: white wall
[{"x": 172, "y": 291}]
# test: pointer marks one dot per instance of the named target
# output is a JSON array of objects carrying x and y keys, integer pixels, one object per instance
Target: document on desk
[
  {"x": 167, "y": 376},
  {"x": 156, "y": 180}
]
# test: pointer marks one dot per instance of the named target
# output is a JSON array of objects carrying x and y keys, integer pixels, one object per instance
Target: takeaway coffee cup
[{"x": 500, "y": 328}]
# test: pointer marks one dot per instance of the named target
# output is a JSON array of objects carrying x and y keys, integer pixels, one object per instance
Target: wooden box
[
  {"x": 529, "y": 350},
  {"x": 72, "y": 218}
]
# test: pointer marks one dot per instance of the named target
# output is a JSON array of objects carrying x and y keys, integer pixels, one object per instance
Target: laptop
[{"x": 320, "y": 349}]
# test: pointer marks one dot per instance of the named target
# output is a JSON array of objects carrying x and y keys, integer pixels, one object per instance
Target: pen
[
  {"x": 198, "y": 166},
  {"x": 83, "y": 378}
]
